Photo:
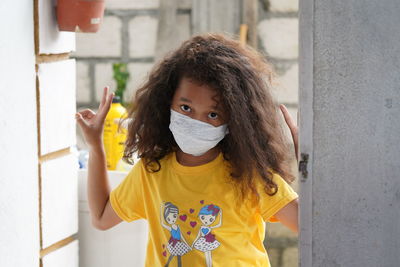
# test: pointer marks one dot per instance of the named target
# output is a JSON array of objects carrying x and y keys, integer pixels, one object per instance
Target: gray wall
[{"x": 350, "y": 127}]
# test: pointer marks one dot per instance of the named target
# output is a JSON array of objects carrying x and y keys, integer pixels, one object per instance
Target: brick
[
  {"x": 57, "y": 84},
  {"x": 139, "y": 74},
  {"x": 285, "y": 88},
  {"x": 143, "y": 35},
  {"x": 279, "y": 37},
  {"x": 51, "y": 40},
  {"x": 103, "y": 78},
  {"x": 143, "y": 4},
  {"x": 133, "y": 4},
  {"x": 59, "y": 199},
  {"x": 290, "y": 257},
  {"x": 174, "y": 37},
  {"x": 105, "y": 43},
  {"x": 185, "y": 4},
  {"x": 284, "y": 5},
  {"x": 66, "y": 256},
  {"x": 82, "y": 82}
]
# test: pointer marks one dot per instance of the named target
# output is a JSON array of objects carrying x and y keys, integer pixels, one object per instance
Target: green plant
[{"x": 121, "y": 77}]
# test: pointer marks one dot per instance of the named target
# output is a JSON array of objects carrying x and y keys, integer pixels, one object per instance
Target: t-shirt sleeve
[
  {"x": 127, "y": 198},
  {"x": 270, "y": 205}
]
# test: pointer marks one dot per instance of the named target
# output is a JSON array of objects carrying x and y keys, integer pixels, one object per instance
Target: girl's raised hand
[
  {"x": 293, "y": 128},
  {"x": 92, "y": 123}
]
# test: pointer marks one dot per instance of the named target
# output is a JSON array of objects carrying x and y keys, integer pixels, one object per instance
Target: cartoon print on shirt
[
  {"x": 205, "y": 240},
  {"x": 177, "y": 245}
]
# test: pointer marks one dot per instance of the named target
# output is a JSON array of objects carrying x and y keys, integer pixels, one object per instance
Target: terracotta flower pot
[{"x": 80, "y": 15}]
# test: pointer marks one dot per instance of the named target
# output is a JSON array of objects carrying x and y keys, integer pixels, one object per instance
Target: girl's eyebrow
[{"x": 185, "y": 100}]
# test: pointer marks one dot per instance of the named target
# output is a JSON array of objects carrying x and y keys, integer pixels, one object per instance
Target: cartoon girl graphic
[
  {"x": 177, "y": 245},
  {"x": 205, "y": 240}
]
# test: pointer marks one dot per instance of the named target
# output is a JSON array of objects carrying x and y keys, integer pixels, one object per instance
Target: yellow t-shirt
[{"x": 192, "y": 215}]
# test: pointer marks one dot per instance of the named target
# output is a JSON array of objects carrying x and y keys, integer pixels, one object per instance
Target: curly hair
[{"x": 242, "y": 78}]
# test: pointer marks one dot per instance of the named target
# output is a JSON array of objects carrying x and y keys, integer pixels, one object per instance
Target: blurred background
[{"x": 139, "y": 32}]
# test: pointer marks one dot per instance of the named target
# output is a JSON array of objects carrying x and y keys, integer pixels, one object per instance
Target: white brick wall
[
  {"x": 279, "y": 37},
  {"x": 82, "y": 82},
  {"x": 106, "y": 42},
  {"x": 284, "y": 5},
  {"x": 51, "y": 40},
  {"x": 64, "y": 257},
  {"x": 19, "y": 207},
  {"x": 142, "y": 4},
  {"x": 57, "y": 105},
  {"x": 286, "y": 89},
  {"x": 143, "y": 35},
  {"x": 59, "y": 199},
  {"x": 139, "y": 72},
  {"x": 103, "y": 77},
  {"x": 132, "y": 4}
]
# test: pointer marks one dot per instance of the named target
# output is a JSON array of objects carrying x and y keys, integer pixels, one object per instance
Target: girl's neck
[{"x": 191, "y": 161}]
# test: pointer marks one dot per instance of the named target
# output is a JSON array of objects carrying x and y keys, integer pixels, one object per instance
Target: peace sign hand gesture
[{"x": 92, "y": 123}]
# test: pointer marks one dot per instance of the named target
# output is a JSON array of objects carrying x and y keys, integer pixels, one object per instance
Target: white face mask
[{"x": 195, "y": 137}]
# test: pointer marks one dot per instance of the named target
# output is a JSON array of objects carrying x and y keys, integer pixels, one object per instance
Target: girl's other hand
[
  {"x": 92, "y": 123},
  {"x": 293, "y": 128}
]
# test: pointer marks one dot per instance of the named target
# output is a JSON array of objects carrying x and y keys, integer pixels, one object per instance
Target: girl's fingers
[
  {"x": 292, "y": 127},
  {"x": 87, "y": 113},
  {"x": 287, "y": 117},
  {"x": 81, "y": 122},
  {"x": 104, "y": 97},
  {"x": 103, "y": 112}
]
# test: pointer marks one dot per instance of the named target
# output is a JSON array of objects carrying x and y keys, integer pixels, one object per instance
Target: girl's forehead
[{"x": 193, "y": 92}]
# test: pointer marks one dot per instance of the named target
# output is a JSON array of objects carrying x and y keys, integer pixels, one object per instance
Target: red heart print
[
  {"x": 164, "y": 254},
  {"x": 191, "y": 210},
  {"x": 193, "y": 224},
  {"x": 183, "y": 217},
  {"x": 202, "y": 202},
  {"x": 189, "y": 233}
]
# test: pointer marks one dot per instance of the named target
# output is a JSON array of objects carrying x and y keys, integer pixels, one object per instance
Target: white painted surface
[
  {"x": 57, "y": 84},
  {"x": 59, "y": 199},
  {"x": 124, "y": 245},
  {"x": 19, "y": 214},
  {"x": 64, "y": 257},
  {"x": 51, "y": 40}
]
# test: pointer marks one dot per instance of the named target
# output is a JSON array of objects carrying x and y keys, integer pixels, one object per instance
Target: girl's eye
[
  {"x": 213, "y": 115},
  {"x": 174, "y": 215},
  {"x": 211, "y": 219},
  {"x": 202, "y": 217},
  {"x": 185, "y": 108}
]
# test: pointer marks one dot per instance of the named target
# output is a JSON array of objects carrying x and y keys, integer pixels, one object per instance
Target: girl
[
  {"x": 177, "y": 245},
  {"x": 206, "y": 129},
  {"x": 205, "y": 240}
]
